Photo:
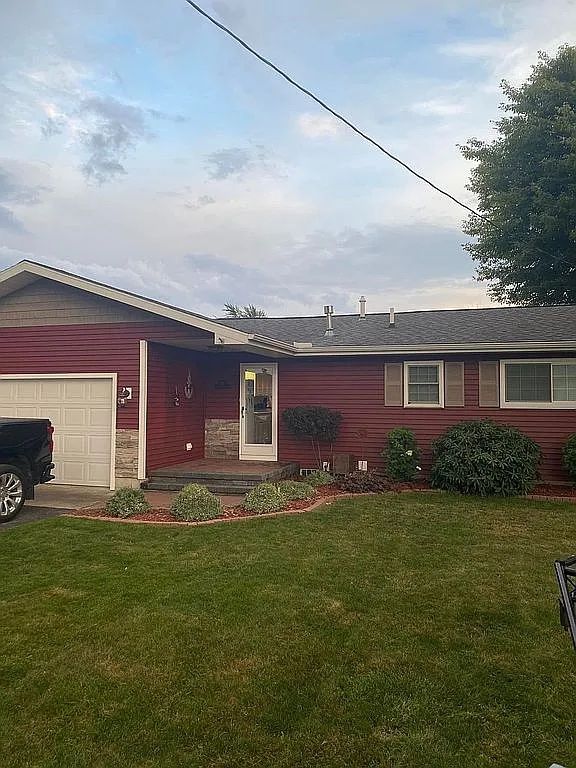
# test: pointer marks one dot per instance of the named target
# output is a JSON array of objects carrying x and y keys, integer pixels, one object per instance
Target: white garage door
[{"x": 81, "y": 412}]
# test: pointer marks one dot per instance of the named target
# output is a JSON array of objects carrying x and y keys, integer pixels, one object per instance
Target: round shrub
[
  {"x": 126, "y": 502},
  {"x": 195, "y": 503},
  {"x": 293, "y": 490},
  {"x": 485, "y": 458},
  {"x": 402, "y": 455},
  {"x": 570, "y": 456},
  {"x": 364, "y": 482},
  {"x": 319, "y": 477},
  {"x": 265, "y": 497}
]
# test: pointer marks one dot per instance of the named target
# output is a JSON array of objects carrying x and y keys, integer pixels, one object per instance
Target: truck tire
[{"x": 12, "y": 491}]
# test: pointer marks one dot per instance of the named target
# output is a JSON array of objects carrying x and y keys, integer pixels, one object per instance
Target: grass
[{"x": 410, "y": 631}]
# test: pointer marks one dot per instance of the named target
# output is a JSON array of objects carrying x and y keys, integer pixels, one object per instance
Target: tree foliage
[
  {"x": 314, "y": 423},
  {"x": 525, "y": 181},
  {"x": 249, "y": 310}
]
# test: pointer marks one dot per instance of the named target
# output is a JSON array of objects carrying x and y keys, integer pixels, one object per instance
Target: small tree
[
  {"x": 234, "y": 310},
  {"x": 314, "y": 423}
]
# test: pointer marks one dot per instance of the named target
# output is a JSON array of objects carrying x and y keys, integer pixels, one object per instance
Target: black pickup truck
[{"x": 26, "y": 447}]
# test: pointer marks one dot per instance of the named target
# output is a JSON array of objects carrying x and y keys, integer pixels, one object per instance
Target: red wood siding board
[
  {"x": 355, "y": 387},
  {"x": 96, "y": 348},
  {"x": 170, "y": 427}
]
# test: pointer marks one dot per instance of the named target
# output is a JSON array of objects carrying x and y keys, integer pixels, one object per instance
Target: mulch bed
[{"x": 324, "y": 493}]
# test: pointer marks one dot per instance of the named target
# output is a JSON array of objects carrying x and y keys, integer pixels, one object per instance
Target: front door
[{"x": 259, "y": 412}]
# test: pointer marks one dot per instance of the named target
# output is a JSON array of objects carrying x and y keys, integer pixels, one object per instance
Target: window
[
  {"x": 424, "y": 385},
  {"x": 539, "y": 384}
]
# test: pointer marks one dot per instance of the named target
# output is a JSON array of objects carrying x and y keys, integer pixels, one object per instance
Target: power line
[
  {"x": 332, "y": 111},
  {"x": 354, "y": 127}
]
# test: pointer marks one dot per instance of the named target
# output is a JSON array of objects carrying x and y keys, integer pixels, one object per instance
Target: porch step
[{"x": 233, "y": 478}]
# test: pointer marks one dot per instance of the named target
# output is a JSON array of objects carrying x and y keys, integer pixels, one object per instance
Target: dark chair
[{"x": 566, "y": 575}]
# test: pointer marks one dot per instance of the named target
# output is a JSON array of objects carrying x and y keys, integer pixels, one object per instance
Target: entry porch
[{"x": 224, "y": 476}]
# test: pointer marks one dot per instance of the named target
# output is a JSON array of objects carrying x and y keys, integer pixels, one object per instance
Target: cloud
[
  {"x": 114, "y": 128},
  {"x": 317, "y": 125},
  {"x": 14, "y": 191},
  {"x": 437, "y": 108},
  {"x": 201, "y": 202},
  {"x": 236, "y": 162}
]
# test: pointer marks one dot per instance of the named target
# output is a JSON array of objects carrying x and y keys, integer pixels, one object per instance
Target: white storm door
[{"x": 259, "y": 412}]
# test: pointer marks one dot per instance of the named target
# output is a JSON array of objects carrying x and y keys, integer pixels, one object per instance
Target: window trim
[
  {"x": 420, "y": 363},
  {"x": 553, "y": 404}
]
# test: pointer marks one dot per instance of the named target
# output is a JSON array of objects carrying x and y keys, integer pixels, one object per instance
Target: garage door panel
[
  {"x": 75, "y": 417},
  {"x": 25, "y": 390},
  {"x": 99, "y": 418},
  {"x": 81, "y": 412}
]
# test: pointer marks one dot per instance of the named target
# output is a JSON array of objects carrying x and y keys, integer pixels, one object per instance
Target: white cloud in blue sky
[{"x": 139, "y": 146}]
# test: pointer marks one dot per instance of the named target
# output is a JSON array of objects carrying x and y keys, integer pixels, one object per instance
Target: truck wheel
[{"x": 12, "y": 487}]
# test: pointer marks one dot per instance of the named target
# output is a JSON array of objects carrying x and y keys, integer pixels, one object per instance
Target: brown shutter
[
  {"x": 393, "y": 384},
  {"x": 454, "y": 384},
  {"x": 488, "y": 385}
]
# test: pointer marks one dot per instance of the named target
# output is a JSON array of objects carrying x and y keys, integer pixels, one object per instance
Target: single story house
[{"x": 133, "y": 385}]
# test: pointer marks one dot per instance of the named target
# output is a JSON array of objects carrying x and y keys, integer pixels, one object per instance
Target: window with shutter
[
  {"x": 538, "y": 383},
  {"x": 424, "y": 384}
]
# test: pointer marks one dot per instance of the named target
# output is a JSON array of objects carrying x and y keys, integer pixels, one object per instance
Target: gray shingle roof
[{"x": 506, "y": 325}]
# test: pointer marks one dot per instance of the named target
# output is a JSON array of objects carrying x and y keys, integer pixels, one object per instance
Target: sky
[{"x": 141, "y": 147}]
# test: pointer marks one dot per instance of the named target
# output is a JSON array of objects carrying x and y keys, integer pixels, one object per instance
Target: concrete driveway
[{"x": 53, "y": 500}]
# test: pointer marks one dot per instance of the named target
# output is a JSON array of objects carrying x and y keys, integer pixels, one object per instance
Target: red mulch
[
  {"x": 566, "y": 491},
  {"x": 324, "y": 492}
]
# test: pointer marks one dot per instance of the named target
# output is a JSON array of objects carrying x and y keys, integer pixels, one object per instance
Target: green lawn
[{"x": 410, "y": 631}]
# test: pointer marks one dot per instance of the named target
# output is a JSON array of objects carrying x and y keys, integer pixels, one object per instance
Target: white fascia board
[{"x": 416, "y": 349}]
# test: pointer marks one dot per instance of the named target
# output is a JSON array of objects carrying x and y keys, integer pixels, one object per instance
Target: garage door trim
[{"x": 113, "y": 390}]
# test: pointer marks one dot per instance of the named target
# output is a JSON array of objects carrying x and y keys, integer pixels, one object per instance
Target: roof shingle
[{"x": 505, "y": 325}]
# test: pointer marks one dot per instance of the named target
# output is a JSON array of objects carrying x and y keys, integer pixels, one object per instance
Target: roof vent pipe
[
  {"x": 362, "y": 303},
  {"x": 391, "y": 319},
  {"x": 329, "y": 311}
]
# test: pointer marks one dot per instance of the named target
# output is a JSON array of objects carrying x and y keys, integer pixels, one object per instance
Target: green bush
[
  {"x": 265, "y": 497},
  {"x": 293, "y": 490},
  {"x": 485, "y": 458},
  {"x": 195, "y": 503},
  {"x": 319, "y": 477},
  {"x": 126, "y": 502},
  {"x": 364, "y": 482},
  {"x": 402, "y": 455},
  {"x": 570, "y": 456}
]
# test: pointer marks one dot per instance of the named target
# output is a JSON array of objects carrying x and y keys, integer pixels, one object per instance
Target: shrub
[
  {"x": 314, "y": 423},
  {"x": 265, "y": 497},
  {"x": 485, "y": 458},
  {"x": 364, "y": 482},
  {"x": 570, "y": 456},
  {"x": 402, "y": 455},
  {"x": 319, "y": 477},
  {"x": 293, "y": 490},
  {"x": 194, "y": 503},
  {"x": 126, "y": 502}
]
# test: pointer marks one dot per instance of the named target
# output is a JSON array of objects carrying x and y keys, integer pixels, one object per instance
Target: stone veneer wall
[
  {"x": 127, "y": 458},
  {"x": 221, "y": 438}
]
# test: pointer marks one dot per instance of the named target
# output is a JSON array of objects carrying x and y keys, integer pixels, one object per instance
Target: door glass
[{"x": 258, "y": 406}]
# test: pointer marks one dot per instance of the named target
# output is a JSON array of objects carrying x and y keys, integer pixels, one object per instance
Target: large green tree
[{"x": 525, "y": 181}]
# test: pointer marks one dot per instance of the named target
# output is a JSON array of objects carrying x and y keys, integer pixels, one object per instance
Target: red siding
[
  {"x": 98, "y": 348},
  {"x": 222, "y": 375},
  {"x": 170, "y": 427},
  {"x": 355, "y": 387}
]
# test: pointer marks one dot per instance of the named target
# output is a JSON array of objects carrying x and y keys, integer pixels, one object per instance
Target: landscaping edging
[
  {"x": 314, "y": 505},
  {"x": 318, "y": 503}
]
